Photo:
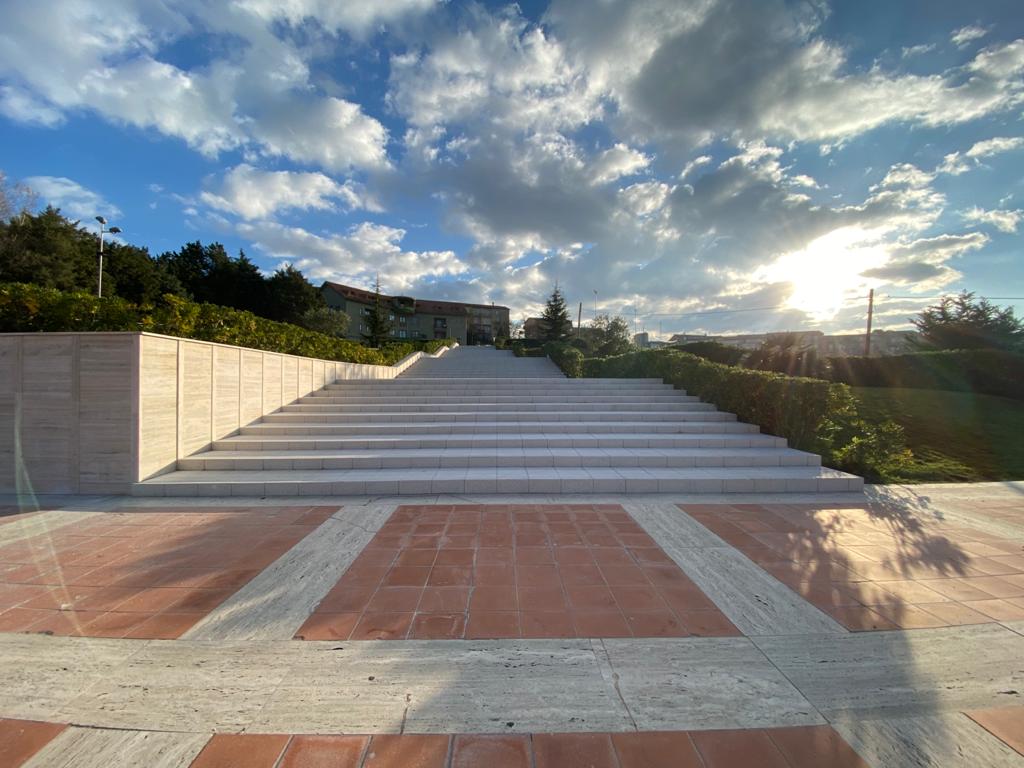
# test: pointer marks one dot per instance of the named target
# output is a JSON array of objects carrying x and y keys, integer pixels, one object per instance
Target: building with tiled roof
[{"x": 420, "y": 318}]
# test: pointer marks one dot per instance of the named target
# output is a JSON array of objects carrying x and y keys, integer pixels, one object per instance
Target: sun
[{"x": 827, "y": 273}]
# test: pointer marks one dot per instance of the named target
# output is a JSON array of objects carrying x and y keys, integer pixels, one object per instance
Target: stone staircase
[{"x": 479, "y": 420}]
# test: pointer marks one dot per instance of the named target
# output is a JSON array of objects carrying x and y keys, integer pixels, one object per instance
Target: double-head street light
[{"x": 113, "y": 231}]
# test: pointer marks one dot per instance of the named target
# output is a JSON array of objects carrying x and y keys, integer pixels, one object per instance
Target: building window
[
  {"x": 391, "y": 317},
  {"x": 401, "y": 333},
  {"x": 440, "y": 323},
  {"x": 401, "y": 320}
]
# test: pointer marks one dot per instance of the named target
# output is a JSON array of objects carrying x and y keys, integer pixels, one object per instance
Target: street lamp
[{"x": 113, "y": 231}]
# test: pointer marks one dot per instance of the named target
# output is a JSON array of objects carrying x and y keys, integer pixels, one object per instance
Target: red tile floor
[
  {"x": 499, "y": 571},
  {"x": 142, "y": 574},
  {"x": 873, "y": 567}
]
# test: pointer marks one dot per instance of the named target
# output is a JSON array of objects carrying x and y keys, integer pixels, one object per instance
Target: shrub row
[
  {"x": 985, "y": 371},
  {"x": 565, "y": 356},
  {"x": 813, "y": 415},
  {"x": 25, "y": 307}
]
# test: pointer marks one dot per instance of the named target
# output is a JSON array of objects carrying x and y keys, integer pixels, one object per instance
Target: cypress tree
[{"x": 378, "y": 326}]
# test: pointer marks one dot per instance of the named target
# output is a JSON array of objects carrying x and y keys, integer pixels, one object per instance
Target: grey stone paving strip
[
  {"x": 91, "y": 748},
  {"x": 40, "y": 674},
  {"x": 887, "y": 673},
  {"x": 946, "y": 740},
  {"x": 279, "y": 599},
  {"x": 754, "y": 600},
  {"x": 444, "y": 686},
  {"x": 481, "y": 686},
  {"x": 702, "y": 683}
]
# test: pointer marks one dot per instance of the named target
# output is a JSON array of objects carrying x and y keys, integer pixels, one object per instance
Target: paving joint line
[{"x": 615, "y": 682}]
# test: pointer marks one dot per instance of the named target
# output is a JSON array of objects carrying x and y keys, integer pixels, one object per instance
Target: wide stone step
[
  {"x": 499, "y": 457},
  {"x": 318, "y": 398},
  {"x": 365, "y": 417},
  {"x": 484, "y": 407},
  {"x": 490, "y": 441},
  {"x": 499, "y": 480},
  {"x": 503, "y": 382},
  {"x": 476, "y": 427}
]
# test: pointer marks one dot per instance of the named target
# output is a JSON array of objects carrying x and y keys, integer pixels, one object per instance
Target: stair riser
[
  {"x": 437, "y": 462},
  {"x": 740, "y": 440},
  {"x": 316, "y": 399},
  {"x": 306, "y": 408},
  {"x": 471, "y": 428},
  {"x": 516, "y": 485},
  {"x": 419, "y": 418}
]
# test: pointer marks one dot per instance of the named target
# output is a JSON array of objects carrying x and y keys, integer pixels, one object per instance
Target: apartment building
[{"x": 420, "y": 318}]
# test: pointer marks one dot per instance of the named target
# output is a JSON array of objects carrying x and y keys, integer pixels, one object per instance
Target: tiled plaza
[{"x": 618, "y": 632}]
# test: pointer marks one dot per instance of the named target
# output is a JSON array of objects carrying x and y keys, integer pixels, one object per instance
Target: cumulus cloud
[
  {"x": 355, "y": 17},
  {"x": 256, "y": 194},
  {"x": 1004, "y": 221},
  {"x": 616, "y": 162},
  {"x": 354, "y": 257},
  {"x": 107, "y": 57},
  {"x": 74, "y": 200}
]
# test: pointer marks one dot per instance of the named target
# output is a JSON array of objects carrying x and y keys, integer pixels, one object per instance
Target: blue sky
[{"x": 675, "y": 157}]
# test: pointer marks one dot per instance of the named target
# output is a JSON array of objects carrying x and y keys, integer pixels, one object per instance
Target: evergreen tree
[
  {"x": 378, "y": 324},
  {"x": 555, "y": 322},
  {"x": 962, "y": 323},
  {"x": 290, "y": 296}
]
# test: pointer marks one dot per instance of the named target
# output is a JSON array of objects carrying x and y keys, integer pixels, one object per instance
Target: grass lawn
[{"x": 955, "y": 436}]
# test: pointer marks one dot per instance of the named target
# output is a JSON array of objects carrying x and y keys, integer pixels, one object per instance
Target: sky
[{"x": 704, "y": 166}]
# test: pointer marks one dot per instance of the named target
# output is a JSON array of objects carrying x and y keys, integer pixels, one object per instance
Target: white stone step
[
  {"x": 513, "y": 480},
  {"x": 499, "y": 457},
  {"x": 463, "y": 407},
  {"x": 367, "y": 417},
  {"x": 319, "y": 398},
  {"x": 515, "y": 427},
  {"x": 489, "y": 441}
]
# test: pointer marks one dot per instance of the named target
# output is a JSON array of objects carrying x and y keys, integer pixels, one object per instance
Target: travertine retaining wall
[{"x": 96, "y": 412}]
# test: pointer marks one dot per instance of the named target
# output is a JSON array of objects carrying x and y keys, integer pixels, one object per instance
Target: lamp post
[{"x": 113, "y": 231}]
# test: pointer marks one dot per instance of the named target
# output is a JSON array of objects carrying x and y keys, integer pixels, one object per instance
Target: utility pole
[
  {"x": 579, "y": 320},
  {"x": 871, "y": 311}
]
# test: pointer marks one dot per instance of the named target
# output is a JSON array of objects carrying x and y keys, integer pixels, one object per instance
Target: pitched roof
[{"x": 422, "y": 305}]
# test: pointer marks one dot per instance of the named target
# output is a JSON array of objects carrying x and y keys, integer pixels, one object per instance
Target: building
[
  {"x": 420, "y": 318},
  {"x": 883, "y": 343}
]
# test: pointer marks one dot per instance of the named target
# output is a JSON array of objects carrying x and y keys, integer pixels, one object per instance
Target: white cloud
[
  {"x": 694, "y": 164},
  {"x": 616, "y": 162},
  {"x": 956, "y": 163},
  {"x": 107, "y": 57},
  {"x": 255, "y": 194},
  {"x": 964, "y": 36},
  {"x": 917, "y": 50},
  {"x": 74, "y": 200},
  {"x": 354, "y": 17},
  {"x": 1004, "y": 221},
  {"x": 355, "y": 257}
]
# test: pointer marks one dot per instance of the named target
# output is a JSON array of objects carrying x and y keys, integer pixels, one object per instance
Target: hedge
[
  {"x": 984, "y": 371},
  {"x": 813, "y": 415},
  {"x": 25, "y": 307},
  {"x": 566, "y": 357}
]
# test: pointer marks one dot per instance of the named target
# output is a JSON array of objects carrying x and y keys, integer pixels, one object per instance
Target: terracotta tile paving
[
  {"x": 800, "y": 747},
  {"x": 20, "y": 739},
  {"x": 500, "y": 571},
  {"x": 874, "y": 567},
  {"x": 149, "y": 573}
]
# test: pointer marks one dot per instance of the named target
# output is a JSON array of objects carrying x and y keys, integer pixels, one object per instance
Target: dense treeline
[{"x": 52, "y": 251}]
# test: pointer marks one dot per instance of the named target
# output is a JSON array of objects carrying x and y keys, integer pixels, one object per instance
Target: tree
[
  {"x": 961, "y": 322},
  {"x": 290, "y": 295},
  {"x": 786, "y": 353},
  {"x": 326, "y": 320},
  {"x": 555, "y": 322},
  {"x": 378, "y": 324},
  {"x": 49, "y": 250},
  {"x": 610, "y": 336},
  {"x": 15, "y": 199}
]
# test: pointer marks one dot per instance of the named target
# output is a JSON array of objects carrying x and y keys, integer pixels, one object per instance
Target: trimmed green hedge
[
  {"x": 985, "y": 371},
  {"x": 566, "y": 357},
  {"x": 813, "y": 415},
  {"x": 714, "y": 351},
  {"x": 25, "y": 307}
]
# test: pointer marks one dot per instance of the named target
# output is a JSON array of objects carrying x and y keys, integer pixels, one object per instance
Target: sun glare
[{"x": 828, "y": 272}]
